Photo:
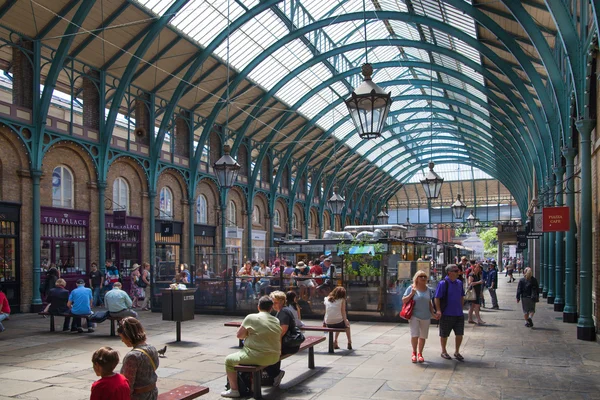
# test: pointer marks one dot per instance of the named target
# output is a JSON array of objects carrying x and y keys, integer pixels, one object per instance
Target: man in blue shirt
[
  {"x": 80, "y": 303},
  {"x": 449, "y": 301},
  {"x": 492, "y": 284}
]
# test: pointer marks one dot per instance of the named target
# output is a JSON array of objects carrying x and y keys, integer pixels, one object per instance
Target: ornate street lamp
[
  {"x": 478, "y": 227},
  {"x": 471, "y": 220},
  {"x": 369, "y": 106},
  {"x": 458, "y": 208},
  {"x": 383, "y": 218},
  {"x": 432, "y": 184},
  {"x": 226, "y": 169},
  {"x": 336, "y": 202}
]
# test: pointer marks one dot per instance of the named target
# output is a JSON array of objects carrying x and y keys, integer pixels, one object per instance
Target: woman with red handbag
[{"x": 422, "y": 311}]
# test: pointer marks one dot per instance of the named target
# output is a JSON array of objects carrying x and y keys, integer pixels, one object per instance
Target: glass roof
[{"x": 412, "y": 120}]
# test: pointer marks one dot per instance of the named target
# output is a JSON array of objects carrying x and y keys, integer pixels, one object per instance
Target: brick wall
[
  {"x": 182, "y": 136},
  {"x": 91, "y": 100},
  {"x": 142, "y": 119}
]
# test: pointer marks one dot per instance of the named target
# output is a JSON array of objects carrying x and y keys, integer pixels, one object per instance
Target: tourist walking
[
  {"x": 449, "y": 301},
  {"x": 475, "y": 281},
  {"x": 95, "y": 280},
  {"x": 492, "y": 284},
  {"x": 145, "y": 284},
  {"x": 140, "y": 364},
  {"x": 528, "y": 294},
  {"x": 421, "y": 316},
  {"x": 136, "y": 291}
]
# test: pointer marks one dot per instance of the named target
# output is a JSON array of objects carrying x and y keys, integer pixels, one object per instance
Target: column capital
[
  {"x": 585, "y": 127},
  {"x": 569, "y": 153},
  {"x": 36, "y": 173},
  {"x": 101, "y": 184},
  {"x": 558, "y": 171}
]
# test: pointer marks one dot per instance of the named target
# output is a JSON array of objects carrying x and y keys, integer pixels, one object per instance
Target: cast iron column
[
  {"x": 585, "y": 324},
  {"x": 570, "y": 310},
  {"x": 152, "y": 242},
  {"x": 559, "y": 262},
  {"x": 192, "y": 237},
  {"x": 101, "y": 225},
  {"x": 36, "y": 301},
  {"x": 545, "y": 253},
  {"x": 551, "y": 244}
]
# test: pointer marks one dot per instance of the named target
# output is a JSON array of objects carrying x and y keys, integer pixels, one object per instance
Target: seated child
[{"x": 111, "y": 386}]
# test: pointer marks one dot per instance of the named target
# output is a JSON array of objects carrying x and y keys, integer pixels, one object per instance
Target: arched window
[
  {"x": 277, "y": 219},
  {"x": 120, "y": 195},
  {"x": 294, "y": 222},
  {"x": 256, "y": 215},
  {"x": 62, "y": 187},
  {"x": 231, "y": 214},
  {"x": 201, "y": 210},
  {"x": 310, "y": 220},
  {"x": 166, "y": 203}
]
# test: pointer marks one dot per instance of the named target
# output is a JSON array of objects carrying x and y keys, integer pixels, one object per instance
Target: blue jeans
[
  {"x": 2, "y": 318},
  {"x": 96, "y": 293}
]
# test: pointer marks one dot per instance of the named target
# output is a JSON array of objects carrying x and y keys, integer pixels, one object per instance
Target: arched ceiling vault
[{"x": 482, "y": 84}]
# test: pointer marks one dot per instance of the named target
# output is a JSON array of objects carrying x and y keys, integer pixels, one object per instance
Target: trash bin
[{"x": 178, "y": 306}]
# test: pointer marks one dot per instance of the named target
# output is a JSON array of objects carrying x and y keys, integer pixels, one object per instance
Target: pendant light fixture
[{"x": 458, "y": 208}]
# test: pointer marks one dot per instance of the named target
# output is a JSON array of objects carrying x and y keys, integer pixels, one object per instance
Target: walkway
[{"x": 504, "y": 360}]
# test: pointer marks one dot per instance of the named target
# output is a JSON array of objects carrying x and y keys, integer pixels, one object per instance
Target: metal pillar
[
  {"x": 559, "y": 262},
  {"x": 545, "y": 254},
  {"x": 191, "y": 235},
  {"x": 36, "y": 301},
  {"x": 551, "y": 245},
  {"x": 152, "y": 242},
  {"x": 101, "y": 225},
  {"x": 585, "y": 323},
  {"x": 570, "y": 308}
]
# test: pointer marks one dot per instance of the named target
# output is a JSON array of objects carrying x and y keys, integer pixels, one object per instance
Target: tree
[{"x": 490, "y": 241}]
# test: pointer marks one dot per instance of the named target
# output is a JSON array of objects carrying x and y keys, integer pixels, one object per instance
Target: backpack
[{"x": 244, "y": 381}]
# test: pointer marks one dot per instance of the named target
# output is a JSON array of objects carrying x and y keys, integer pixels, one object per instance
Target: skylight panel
[
  {"x": 343, "y": 130},
  {"x": 293, "y": 91},
  {"x": 280, "y": 64},
  {"x": 157, "y": 6},
  {"x": 312, "y": 106},
  {"x": 416, "y": 54},
  {"x": 344, "y": 32},
  {"x": 404, "y": 30}
]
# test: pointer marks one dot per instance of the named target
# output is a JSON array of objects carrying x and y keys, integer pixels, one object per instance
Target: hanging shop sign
[
  {"x": 426, "y": 239},
  {"x": 538, "y": 224},
  {"x": 521, "y": 240},
  {"x": 556, "y": 219}
]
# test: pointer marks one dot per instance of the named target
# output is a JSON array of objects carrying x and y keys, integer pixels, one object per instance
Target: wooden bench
[
  {"x": 185, "y": 392},
  {"x": 331, "y": 331},
  {"x": 256, "y": 370},
  {"x": 110, "y": 318}
]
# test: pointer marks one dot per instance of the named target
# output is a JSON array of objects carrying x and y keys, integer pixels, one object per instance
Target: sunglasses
[
  {"x": 422, "y": 276},
  {"x": 454, "y": 270}
]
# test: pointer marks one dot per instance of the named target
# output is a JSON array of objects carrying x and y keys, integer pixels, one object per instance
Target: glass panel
[{"x": 8, "y": 272}]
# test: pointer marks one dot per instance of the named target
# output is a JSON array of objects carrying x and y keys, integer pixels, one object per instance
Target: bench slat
[
  {"x": 309, "y": 342},
  {"x": 185, "y": 392}
]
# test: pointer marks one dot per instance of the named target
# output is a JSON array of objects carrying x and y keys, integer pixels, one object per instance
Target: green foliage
[
  {"x": 369, "y": 270},
  {"x": 490, "y": 241}
]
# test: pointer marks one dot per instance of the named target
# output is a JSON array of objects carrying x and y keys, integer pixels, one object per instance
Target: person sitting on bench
[
  {"x": 118, "y": 302},
  {"x": 58, "y": 298},
  {"x": 80, "y": 302},
  {"x": 262, "y": 346}
]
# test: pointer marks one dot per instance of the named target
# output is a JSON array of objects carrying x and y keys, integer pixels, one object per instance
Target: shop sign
[
  {"x": 556, "y": 219},
  {"x": 289, "y": 248},
  {"x": 56, "y": 217},
  {"x": 259, "y": 235},
  {"x": 313, "y": 248},
  {"x": 538, "y": 224},
  {"x": 426, "y": 239}
]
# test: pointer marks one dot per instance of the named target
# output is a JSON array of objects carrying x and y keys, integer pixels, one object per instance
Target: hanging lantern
[
  {"x": 383, "y": 218},
  {"x": 432, "y": 184},
  {"x": 336, "y": 202},
  {"x": 471, "y": 220},
  {"x": 458, "y": 208},
  {"x": 369, "y": 106},
  {"x": 478, "y": 227},
  {"x": 226, "y": 169}
]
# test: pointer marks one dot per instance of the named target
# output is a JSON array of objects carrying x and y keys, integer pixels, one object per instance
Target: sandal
[
  {"x": 472, "y": 322},
  {"x": 458, "y": 356},
  {"x": 414, "y": 357},
  {"x": 420, "y": 358},
  {"x": 335, "y": 345},
  {"x": 446, "y": 356}
]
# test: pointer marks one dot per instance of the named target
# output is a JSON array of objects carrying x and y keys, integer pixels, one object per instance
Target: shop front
[
  {"x": 259, "y": 245},
  {"x": 65, "y": 243},
  {"x": 167, "y": 239},
  {"x": 204, "y": 250},
  {"x": 233, "y": 246},
  {"x": 10, "y": 266},
  {"x": 123, "y": 244}
]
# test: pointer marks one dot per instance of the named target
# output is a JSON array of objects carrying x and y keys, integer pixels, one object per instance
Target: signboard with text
[{"x": 556, "y": 219}]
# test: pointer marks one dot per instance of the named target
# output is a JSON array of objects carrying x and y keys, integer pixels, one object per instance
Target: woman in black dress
[{"x": 475, "y": 280}]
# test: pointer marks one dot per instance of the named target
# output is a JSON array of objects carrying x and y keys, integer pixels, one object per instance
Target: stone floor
[{"x": 503, "y": 360}]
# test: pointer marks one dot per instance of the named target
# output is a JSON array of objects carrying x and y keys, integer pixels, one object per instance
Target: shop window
[
  {"x": 277, "y": 219},
  {"x": 232, "y": 214},
  {"x": 201, "y": 210},
  {"x": 62, "y": 187},
  {"x": 310, "y": 224},
  {"x": 256, "y": 216},
  {"x": 120, "y": 195},
  {"x": 166, "y": 203},
  {"x": 294, "y": 222}
]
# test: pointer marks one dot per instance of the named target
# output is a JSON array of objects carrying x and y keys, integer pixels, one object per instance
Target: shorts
[
  {"x": 341, "y": 325},
  {"x": 528, "y": 305},
  {"x": 419, "y": 327},
  {"x": 449, "y": 323},
  {"x": 242, "y": 357},
  {"x": 306, "y": 283}
]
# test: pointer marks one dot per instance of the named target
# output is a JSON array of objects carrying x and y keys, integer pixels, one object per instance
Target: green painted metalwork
[
  {"x": 570, "y": 310},
  {"x": 551, "y": 244},
  {"x": 559, "y": 260},
  {"x": 585, "y": 323},
  {"x": 56, "y": 19}
]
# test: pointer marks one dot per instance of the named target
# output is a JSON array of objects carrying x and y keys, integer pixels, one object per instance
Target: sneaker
[
  {"x": 527, "y": 324},
  {"x": 278, "y": 378},
  {"x": 230, "y": 393},
  {"x": 79, "y": 330},
  {"x": 2, "y": 329},
  {"x": 530, "y": 322},
  {"x": 90, "y": 330}
]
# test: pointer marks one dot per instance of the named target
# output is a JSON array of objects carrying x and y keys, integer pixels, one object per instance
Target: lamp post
[
  {"x": 226, "y": 169},
  {"x": 458, "y": 208},
  {"x": 432, "y": 184}
]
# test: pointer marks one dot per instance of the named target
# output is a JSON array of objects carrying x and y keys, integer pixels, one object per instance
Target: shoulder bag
[
  {"x": 293, "y": 337},
  {"x": 407, "y": 309},
  {"x": 470, "y": 294}
]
